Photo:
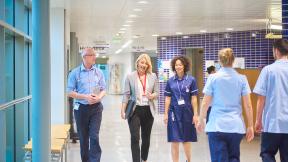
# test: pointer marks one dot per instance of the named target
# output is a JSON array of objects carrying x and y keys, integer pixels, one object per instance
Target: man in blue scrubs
[
  {"x": 272, "y": 105},
  {"x": 86, "y": 85}
]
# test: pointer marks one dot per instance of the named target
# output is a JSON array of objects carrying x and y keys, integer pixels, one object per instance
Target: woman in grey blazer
[{"x": 142, "y": 86}]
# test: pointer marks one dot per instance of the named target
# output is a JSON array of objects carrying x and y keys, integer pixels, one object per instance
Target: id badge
[
  {"x": 144, "y": 99},
  {"x": 76, "y": 106},
  {"x": 187, "y": 90},
  {"x": 181, "y": 102}
]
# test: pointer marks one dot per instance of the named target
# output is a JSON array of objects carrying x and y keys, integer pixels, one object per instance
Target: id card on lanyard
[
  {"x": 180, "y": 100},
  {"x": 144, "y": 97}
]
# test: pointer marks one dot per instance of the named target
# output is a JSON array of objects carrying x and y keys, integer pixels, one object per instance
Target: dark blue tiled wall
[
  {"x": 285, "y": 18},
  {"x": 249, "y": 44}
]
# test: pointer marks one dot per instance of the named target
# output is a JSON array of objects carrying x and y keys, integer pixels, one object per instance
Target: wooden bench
[{"x": 59, "y": 143}]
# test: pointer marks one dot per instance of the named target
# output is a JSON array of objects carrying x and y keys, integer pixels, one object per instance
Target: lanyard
[
  {"x": 143, "y": 85},
  {"x": 180, "y": 89}
]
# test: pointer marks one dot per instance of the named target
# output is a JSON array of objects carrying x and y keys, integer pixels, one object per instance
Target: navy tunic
[{"x": 180, "y": 125}]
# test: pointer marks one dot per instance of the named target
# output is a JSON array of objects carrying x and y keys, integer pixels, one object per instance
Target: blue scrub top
[
  {"x": 85, "y": 81},
  {"x": 273, "y": 84},
  {"x": 177, "y": 88},
  {"x": 226, "y": 87}
]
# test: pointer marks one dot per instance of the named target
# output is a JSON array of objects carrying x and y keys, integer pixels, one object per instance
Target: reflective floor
[{"x": 115, "y": 140}]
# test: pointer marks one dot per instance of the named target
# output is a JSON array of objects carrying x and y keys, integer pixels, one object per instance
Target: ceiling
[{"x": 97, "y": 21}]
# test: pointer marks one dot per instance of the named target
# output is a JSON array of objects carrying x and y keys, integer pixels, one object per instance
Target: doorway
[{"x": 195, "y": 55}]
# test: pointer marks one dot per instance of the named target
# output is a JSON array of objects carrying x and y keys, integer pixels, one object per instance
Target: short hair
[
  {"x": 184, "y": 60},
  {"x": 210, "y": 69},
  {"x": 226, "y": 56},
  {"x": 282, "y": 46},
  {"x": 87, "y": 50},
  {"x": 148, "y": 61}
]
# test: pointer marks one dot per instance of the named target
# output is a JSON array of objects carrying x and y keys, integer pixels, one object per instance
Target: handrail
[
  {"x": 14, "y": 102},
  {"x": 15, "y": 31}
]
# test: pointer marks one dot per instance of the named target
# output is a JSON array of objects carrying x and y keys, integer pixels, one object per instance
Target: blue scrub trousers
[
  {"x": 224, "y": 147},
  {"x": 271, "y": 143},
  {"x": 88, "y": 121}
]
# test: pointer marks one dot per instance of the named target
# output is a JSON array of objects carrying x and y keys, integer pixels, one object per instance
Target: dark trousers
[
  {"x": 224, "y": 147},
  {"x": 271, "y": 143},
  {"x": 141, "y": 118},
  {"x": 88, "y": 120}
]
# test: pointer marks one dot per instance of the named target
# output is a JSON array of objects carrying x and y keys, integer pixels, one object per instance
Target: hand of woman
[
  {"x": 200, "y": 125},
  {"x": 258, "y": 126},
  {"x": 165, "y": 118},
  {"x": 195, "y": 119},
  {"x": 249, "y": 134},
  {"x": 150, "y": 96},
  {"x": 123, "y": 114}
]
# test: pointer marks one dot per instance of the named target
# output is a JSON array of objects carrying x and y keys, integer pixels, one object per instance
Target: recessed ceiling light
[
  {"x": 155, "y": 35},
  {"x": 143, "y": 2},
  {"x": 127, "y": 44},
  {"x": 163, "y": 38},
  {"x": 129, "y": 21},
  {"x": 104, "y": 56},
  {"x": 185, "y": 37},
  {"x": 203, "y": 31},
  {"x": 136, "y": 36},
  {"x": 118, "y": 51},
  {"x": 229, "y": 29},
  {"x": 276, "y": 27},
  {"x": 126, "y": 25},
  {"x": 133, "y": 16},
  {"x": 123, "y": 29},
  {"x": 137, "y": 9},
  {"x": 179, "y": 33},
  {"x": 121, "y": 32}
]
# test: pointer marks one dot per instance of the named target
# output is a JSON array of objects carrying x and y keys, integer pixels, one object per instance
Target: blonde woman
[
  {"x": 224, "y": 91},
  {"x": 142, "y": 86}
]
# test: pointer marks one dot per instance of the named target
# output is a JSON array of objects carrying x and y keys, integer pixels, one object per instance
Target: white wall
[
  {"x": 126, "y": 60},
  {"x": 58, "y": 63}
]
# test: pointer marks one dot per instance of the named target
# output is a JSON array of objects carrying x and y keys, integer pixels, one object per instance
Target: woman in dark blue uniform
[{"x": 181, "y": 108}]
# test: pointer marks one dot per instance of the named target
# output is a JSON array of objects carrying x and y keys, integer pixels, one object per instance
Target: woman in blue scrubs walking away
[
  {"x": 181, "y": 108},
  {"x": 224, "y": 91}
]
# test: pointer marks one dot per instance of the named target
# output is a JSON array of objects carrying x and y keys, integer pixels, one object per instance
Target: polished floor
[{"x": 115, "y": 140}]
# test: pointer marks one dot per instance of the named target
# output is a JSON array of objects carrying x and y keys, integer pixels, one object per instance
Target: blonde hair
[
  {"x": 148, "y": 61},
  {"x": 226, "y": 56}
]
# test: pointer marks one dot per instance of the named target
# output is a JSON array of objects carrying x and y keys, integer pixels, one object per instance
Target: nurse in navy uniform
[{"x": 181, "y": 108}]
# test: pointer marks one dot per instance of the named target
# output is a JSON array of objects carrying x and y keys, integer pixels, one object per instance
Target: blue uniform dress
[{"x": 180, "y": 126}]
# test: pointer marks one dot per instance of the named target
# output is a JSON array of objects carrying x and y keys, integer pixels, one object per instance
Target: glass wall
[{"x": 15, "y": 78}]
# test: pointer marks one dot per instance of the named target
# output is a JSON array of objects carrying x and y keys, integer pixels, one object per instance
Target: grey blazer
[{"x": 130, "y": 90}]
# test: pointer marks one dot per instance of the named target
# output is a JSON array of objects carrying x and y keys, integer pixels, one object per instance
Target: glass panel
[
  {"x": 9, "y": 68},
  {"x": 21, "y": 129},
  {"x": 20, "y": 19},
  {"x": 9, "y": 11},
  {"x": 20, "y": 68},
  {"x": 26, "y": 20},
  {"x": 9, "y": 114},
  {"x": 30, "y": 23},
  {"x": 2, "y": 9},
  {"x": 3, "y": 136},
  {"x": 2, "y": 66}
]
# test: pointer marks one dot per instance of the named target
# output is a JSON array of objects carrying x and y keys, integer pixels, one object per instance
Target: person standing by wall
[
  {"x": 272, "y": 105},
  {"x": 210, "y": 70},
  {"x": 86, "y": 84}
]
